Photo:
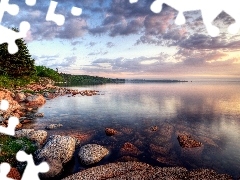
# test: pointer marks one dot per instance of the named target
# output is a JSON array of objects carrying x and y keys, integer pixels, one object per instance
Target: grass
[{"x": 9, "y": 146}]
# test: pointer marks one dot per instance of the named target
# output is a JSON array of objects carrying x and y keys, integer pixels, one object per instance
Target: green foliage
[
  {"x": 10, "y": 146},
  {"x": 88, "y": 80},
  {"x": 10, "y": 82},
  {"x": 43, "y": 71},
  {"x": 16, "y": 65}
]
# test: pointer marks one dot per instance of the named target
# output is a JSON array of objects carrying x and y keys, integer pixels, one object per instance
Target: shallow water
[{"x": 209, "y": 112}]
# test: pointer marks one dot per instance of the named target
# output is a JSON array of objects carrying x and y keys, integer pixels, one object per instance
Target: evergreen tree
[{"x": 16, "y": 65}]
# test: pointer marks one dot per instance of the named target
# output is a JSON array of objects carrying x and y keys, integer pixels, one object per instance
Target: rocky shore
[
  {"x": 25, "y": 101},
  {"x": 57, "y": 150}
]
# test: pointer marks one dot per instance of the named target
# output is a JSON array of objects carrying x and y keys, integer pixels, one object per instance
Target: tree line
[{"x": 19, "y": 69}]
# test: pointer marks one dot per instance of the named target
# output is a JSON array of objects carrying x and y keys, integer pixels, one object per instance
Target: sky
[{"x": 117, "y": 39}]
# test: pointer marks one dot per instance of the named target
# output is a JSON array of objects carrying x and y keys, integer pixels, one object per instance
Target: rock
[
  {"x": 159, "y": 149},
  {"x": 13, "y": 105},
  {"x": 38, "y": 136},
  {"x": 154, "y": 128},
  {"x": 143, "y": 171},
  {"x": 39, "y": 115},
  {"x": 1, "y": 119},
  {"x": 57, "y": 147},
  {"x": 92, "y": 153},
  {"x": 129, "y": 149},
  {"x": 55, "y": 168},
  {"x": 20, "y": 97},
  {"x": 53, "y": 126},
  {"x": 57, "y": 150},
  {"x": 111, "y": 170},
  {"x": 35, "y": 100},
  {"x": 46, "y": 82},
  {"x": 23, "y": 132},
  {"x": 46, "y": 94},
  {"x": 186, "y": 141},
  {"x": 110, "y": 132},
  {"x": 14, "y": 174},
  {"x": 25, "y": 121}
]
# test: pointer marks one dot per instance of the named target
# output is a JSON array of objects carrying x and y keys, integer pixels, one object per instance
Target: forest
[{"x": 19, "y": 69}]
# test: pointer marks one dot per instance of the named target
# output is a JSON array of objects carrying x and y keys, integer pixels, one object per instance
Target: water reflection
[{"x": 209, "y": 112}]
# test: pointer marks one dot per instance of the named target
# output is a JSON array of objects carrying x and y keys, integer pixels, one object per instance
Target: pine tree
[{"x": 19, "y": 64}]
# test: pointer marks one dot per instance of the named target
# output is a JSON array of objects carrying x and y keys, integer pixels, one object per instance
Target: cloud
[
  {"x": 110, "y": 44},
  {"x": 201, "y": 41},
  {"x": 98, "y": 53},
  {"x": 67, "y": 62}
]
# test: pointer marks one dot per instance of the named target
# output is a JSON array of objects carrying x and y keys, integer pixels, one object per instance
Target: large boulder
[
  {"x": 35, "y": 100},
  {"x": 143, "y": 171},
  {"x": 56, "y": 151},
  {"x": 92, "y": 153}
]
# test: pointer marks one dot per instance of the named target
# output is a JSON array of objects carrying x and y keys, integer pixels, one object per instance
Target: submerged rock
[
  {"x": 92, "y": 153},
  {"x": 110, "y": 131},
  {"x": 39, "y": 115},
  {"x": 53, "y": 126},
  {"x": 129, "y": 149},
  {"x": 186, "y": 141},
  {"x": 154, "y": 128}
]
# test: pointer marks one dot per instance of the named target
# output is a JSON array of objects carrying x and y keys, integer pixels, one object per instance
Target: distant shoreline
[{"x": 153, "y": 81}]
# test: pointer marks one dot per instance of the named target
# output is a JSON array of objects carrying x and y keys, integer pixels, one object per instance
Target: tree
[{"x": 19, "y": 64}]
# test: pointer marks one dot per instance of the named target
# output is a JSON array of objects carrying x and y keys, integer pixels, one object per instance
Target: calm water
[{"x": 210, "y": 112}]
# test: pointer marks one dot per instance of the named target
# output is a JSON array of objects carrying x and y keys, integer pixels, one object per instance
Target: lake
[{"x": 208, "y": 111}]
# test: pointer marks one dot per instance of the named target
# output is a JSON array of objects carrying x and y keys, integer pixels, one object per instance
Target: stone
[
  {"x": 20, "y": 97},
  {"x": 186, "y": 141},
  {"x": 57, "y": 148},
  {"x": 13, "y": 105},
  {"x": 14, "y": 174},
  {"x": 110, "y": 131},
  {"x": 53, "y": 126},
  {"x": 154, "y": 128},
  {"x": 35, "y": 100},
  {"x": 56, "y": 168},
  {"x": 143, "y": 171},
  {"x": 92, "y": 153},
  {"x": 39, "y": 115},
  {"x": 129, "y": 149},
  {"x": 38, "y": 136}
]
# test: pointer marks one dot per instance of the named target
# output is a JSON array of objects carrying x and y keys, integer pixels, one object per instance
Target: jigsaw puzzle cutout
[
  {"x": 208, "y": 14},
  {"x": 58, "y": 18},
  {"x": 9, "y": 36},
  {"x": 31, "y": 169},
  {"x": 30, "y": 2},
  {"x": 12, "y": 122},
  {"x": 4, "y": 105},
  {"x": 51, "y": 16},
  {"x": 10, "y": 130},
  {"x": 4, "y": 170}
]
